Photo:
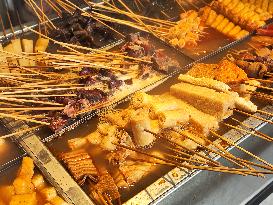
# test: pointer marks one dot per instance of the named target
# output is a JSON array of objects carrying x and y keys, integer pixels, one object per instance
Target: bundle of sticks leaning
[
  {"x": 73, "y": 81},
  {"x": 184, "y": 117}
]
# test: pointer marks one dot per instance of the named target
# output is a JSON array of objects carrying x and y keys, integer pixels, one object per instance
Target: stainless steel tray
[{"x": 152, "y": 194}]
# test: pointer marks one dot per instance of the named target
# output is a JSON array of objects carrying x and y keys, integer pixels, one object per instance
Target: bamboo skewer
[
  {"x": 262, "y": 80},
  {"x": 250, "y": 115},
  {"x": 30, "y": 108},
  {"x": 107, "y": 199},
  {"x": 43, "y": 15},
  {"x": 42, "y": 96},
  {"x": 185, "y": 148},
  {"x": 187, "y": 159},
  {"x": 29, "y": 101},
  {"x": 260, "y": 95},
  {"x": 191, "y": 167},
  {"x": 242, "y": 149},
  {"x": 251, "y": 128},
  {"x": 196, "y": 153},
  {"x": 225, "y": 155},
  {"x": 249, "y": 132},
  {"x": 3, "y": 27},
  {"x": 96, "y": 19},
  {"x": 10, "y": 22},
  {"x": 199, "y": 161},
  {"x": 244, "y": 162},
  {"x": 71, "y": 46},
  {"x": 264, "y": 112},
  {"x": 3, "y": 115},
  {"x": 20, "y": 132},
  {"x": 260, "y": 86}
]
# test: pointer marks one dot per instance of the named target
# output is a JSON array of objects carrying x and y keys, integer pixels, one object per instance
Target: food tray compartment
[
  {"x": 210, "y": 41},
  {"x": 47, "y": 134},
  {"x": 156, "y": 190}
]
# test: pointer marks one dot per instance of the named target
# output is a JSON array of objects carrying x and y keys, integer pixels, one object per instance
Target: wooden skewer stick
[
  {"x": 44, "y": 90},
  {"x": 71, "y": 46},
  {"x": 54, "y": 7},
  {"x": 225, "y": 155},
  {"x": 246, "y": 131},
  {"x": 179, "y": 3},
  {"x": 3, "y": 27},
  {"x": 96, "y": 19},
  {"x": 186, "y": 159},
  {"x": 240, "y": 148},
  {"x": 20, "y": 132},
  {"x": 251, "y": 128},
  {"x": 44, "y": 15},
  {"x": 191, "y": 167},
  {"x": 30, "y": 108},
  {"x": 185, "y": 148},
  {"x": 42, "y": 96},
  {"x": 199, "y": 161},
  {"x": 193, "y": 5},
  {"x": 260, "y": 95},
  {"x": 29, "y": 101},
  {"x": 264, "y": 112},
  {"x": 101, "y": 198},
  {"x": 250, "y": 115},
  {"x": 260, "y": 86},
  {"x": 17, "y": 117},
  {"x": 11, "y": 26},
  {"x": 198, "y": 154},
  {"x": 28, "y": 2},
  {"x": 261, "y": 80}
]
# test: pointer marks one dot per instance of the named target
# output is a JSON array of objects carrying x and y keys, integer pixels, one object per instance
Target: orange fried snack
[{"x": 225, "y": 71}]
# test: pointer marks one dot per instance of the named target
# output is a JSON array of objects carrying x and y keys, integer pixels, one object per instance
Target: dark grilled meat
[
  {"x": 81, "y": 30},
  {"x": 94, "y": 96},
  {"x": 137, "y": 46}
]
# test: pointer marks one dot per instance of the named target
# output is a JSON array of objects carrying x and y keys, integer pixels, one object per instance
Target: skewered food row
[
  {"x": 187, "y": 30},
  {"x": 29, "y": 188},
  {"x": 96, "y": 83},
  {"x": 136, "y": 47},
  {"x": 246, "y": 15},
  {"x": 211, "y": 18}
]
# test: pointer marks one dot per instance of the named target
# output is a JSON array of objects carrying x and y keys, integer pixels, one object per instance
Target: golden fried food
[
  {"x": 187, "y": 30},
  {"x": 246, "y": 15},
  {"x": 222, "y": 24}
]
